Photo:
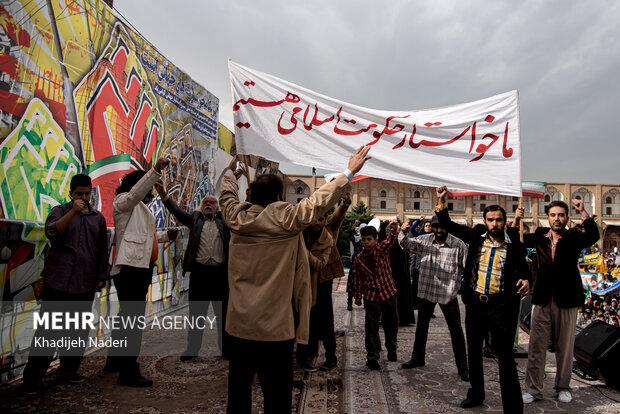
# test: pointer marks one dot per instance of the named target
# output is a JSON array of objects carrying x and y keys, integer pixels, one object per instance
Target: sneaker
[
  {"x": 307, "y": 365},
  {"x": 527, "y": 398},
  {"x": 373, "y": 365},
  {"x": 564, "y": 396}
]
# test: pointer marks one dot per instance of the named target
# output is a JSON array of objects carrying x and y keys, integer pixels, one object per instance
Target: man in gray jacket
[{"x": 206, "y": 258}]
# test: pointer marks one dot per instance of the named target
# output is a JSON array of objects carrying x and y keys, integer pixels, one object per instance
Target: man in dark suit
[
  {"x": 496, "y": 274},
  {"x": 206, "y": 258},
  {"x": 558, "y": 293}
]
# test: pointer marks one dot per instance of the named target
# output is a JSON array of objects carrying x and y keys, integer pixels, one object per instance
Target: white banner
[{"x": 473, "y": 146}]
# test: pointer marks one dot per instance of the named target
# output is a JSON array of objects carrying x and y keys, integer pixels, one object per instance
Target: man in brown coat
[
  {"x": 269, "y": 278},
  {"x": 322, "y": 315},
  {"x": 319, "y": 243}
]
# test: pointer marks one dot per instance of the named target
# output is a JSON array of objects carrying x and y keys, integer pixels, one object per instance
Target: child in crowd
[{"x": 375, "y": 284}]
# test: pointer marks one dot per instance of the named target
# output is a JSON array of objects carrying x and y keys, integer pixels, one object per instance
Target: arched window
[
  {"x": 551, "y": 194},
  {"x": 297, "y": 191},
  {"x": 383, "y": 196},
  {"x": 512, "y": 204},
  {"x": 417, "y": 198},
  {"x": 611, "y": 207},
  {"x": 482, "y": 201},
  {"x": 587, "y": 197}
]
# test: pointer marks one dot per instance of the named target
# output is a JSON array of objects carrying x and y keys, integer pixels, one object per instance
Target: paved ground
[{"x": 200, "y": 386}]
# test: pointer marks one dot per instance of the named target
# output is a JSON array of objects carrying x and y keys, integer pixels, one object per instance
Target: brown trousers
[{"x": 563, "y": 322}]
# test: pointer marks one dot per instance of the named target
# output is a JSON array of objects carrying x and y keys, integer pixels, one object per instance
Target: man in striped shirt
[{"x": 374, "y": 282}]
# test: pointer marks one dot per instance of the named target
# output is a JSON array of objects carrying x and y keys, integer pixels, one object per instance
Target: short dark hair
[
  {"x": 556, "y": 203},
  {"x": 80, "y": 180},
  {"x": 265, "y": 189},
  {"x": 369, "y": 231},
  {"x": 129, "y": 180},
  {"x": 494, "y": 207}
]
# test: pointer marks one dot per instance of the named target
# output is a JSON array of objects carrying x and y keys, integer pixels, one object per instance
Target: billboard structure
[{"x": 80, "y": 91}]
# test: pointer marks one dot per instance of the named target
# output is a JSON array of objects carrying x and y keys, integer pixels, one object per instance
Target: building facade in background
[{"x": 389, "y": 199}]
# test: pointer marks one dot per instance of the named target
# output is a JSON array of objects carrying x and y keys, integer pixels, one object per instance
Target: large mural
[{"x": 80, "y": 91}]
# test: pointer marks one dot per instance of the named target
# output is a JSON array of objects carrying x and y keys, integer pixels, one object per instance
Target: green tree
[{"x": 359, "y": 212}]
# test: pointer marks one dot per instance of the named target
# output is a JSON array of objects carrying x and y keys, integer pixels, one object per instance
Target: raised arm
[
  {"x": 464, "y": 233},
  {"x": 334, "y": 221},
  {"x": 181, "y": 215},
  {"x": 411, "y": 246},
  {"x": 125, "y": 202},
  {"x": 591, "y": 233}
]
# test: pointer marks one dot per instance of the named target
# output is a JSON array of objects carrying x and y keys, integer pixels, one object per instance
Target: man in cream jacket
[
  {"x": 269, "y": 278},
  {"x": 137, "y": 249}
]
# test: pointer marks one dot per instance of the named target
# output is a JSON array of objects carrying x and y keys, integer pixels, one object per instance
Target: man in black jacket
[
  {"x": 496, "y": 274},
  {"x": 558, "y": 292},
  {"x": 206, "y": 258}
]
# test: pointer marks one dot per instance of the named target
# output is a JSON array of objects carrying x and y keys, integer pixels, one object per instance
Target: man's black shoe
[
  {"x": 412, "y": 363},
  {"x": 392, "y": 355},
  {"x": 329, "y": 364},
  {"x": 185, "y": 357},
  {"x": 349, "y": 307},
  {"x": 32, "y": 390},
  {"x": 307, "y": 365},
  {"x": 464, "y": 374},
  {"x": 133, "y": 378},
  {"x": 133, "y": 381},
  {"x": 467, "y": 403},
  {"x": 73, "y": 378},
  {"x": 373, "y": 365},
  {"x": 111, "y": 364}
]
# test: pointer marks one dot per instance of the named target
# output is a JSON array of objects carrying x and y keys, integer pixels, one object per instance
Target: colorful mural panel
[{"x": 80, "y": 91}]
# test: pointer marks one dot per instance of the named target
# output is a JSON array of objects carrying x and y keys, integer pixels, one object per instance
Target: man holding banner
[
  {"x": 496, "y": 273},
  {"x": 269, "y": 278},
  {"x": 558, "y": 292}
]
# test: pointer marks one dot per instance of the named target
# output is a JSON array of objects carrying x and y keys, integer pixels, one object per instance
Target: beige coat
[
  {"x": 334, "y": 267},
  {"x": 134, "y": 225},
  {"x": 319, "y": 253},
  {"x": 268, "y": 268}
]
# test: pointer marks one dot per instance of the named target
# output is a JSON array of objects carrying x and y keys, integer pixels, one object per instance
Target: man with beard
[
  {"x": 206, "y": 258},
  {"x": 442, "y": 260},
  {"x": 496, "y": 273},
  {"x": 558, "y": 292}
]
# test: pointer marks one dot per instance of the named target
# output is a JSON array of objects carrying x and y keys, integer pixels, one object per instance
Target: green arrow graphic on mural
[{"x": 37, "y": 164}]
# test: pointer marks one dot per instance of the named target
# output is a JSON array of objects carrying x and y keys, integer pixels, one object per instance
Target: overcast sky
[{"x": 563, "y": 56}]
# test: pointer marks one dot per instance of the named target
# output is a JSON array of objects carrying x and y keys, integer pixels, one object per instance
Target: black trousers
[
  {"x": 452, "y": 314},
  {"x": 321, "y": 325},
  {"x": 132, "y": 285},
  {"x": 208, "y": 285},
  {"x": 497, "y": 317},
  {"x": 273, "y": 362},
  {"x": 40, "y": 357},
  {"x": 386, "y": 311}
]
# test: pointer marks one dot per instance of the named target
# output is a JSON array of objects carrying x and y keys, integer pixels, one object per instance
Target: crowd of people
[{"x": 272, "y": 265}]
